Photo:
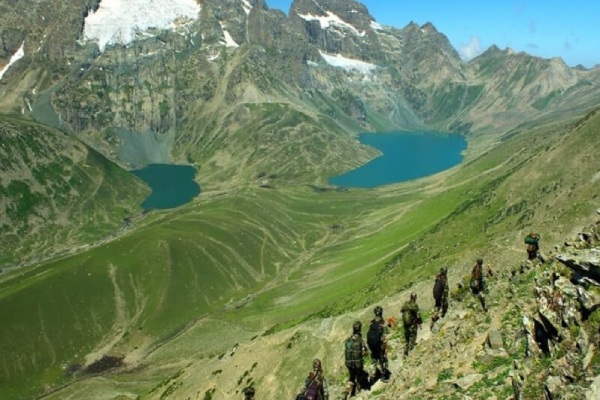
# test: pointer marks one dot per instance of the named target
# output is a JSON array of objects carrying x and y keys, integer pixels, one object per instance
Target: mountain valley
[{"x": 267, "y": 268}]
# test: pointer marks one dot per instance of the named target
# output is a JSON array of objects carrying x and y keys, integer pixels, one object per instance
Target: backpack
[
  {"x": 312, "y": 391},
  {"x": 531, "y": 240},
  {"x": 353, "y": 352},
  {"x": 408, "y": 315},
  {"x": 375, "y": 333}
]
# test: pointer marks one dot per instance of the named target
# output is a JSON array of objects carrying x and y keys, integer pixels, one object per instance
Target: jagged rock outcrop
[
  {"x": 334, "y": 26},
  {"x": 584, "y": 262}
]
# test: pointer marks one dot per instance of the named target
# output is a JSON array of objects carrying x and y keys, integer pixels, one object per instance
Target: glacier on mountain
[{"x": 118, "y": 21}]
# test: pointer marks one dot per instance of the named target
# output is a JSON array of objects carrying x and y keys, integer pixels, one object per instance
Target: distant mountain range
[{"x": 195, "y": 73}]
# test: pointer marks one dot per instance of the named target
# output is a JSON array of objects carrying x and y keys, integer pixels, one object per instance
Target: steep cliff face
[{"x": 336, "y": 27}]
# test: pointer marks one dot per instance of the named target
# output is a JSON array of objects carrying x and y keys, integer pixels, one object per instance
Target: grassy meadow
[{"x": 188, "y": 284}]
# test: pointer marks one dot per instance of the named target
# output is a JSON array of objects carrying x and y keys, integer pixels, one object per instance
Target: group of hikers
[{"x": 356, "y": 349}]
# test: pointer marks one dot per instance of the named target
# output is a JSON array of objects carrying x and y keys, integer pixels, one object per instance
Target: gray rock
[
  {"x": 517, "y": 385},
  {"x": 594, "y": 392},
  {"x": 552, "y": 387},
  {"x": 589, "y": 300},
  {"x": 583, "y": 341},
  {"x": 589, "y": 355},
  {"x": 586, "y": 262},
  {"x": 466, "y": 382},
  {"x": 567, "y": 288},
  {"x": 494, "y": 340}
]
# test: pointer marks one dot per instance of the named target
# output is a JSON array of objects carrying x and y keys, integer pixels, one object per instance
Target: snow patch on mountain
[
  {"x": 331, "y": 20},
  {"x": 118, "y": 21},
  {"x": 376, "y": 26},
  {"x": 247, "y": 6},
  {"x": 348, "y": 64},
  {"x": 229, "y": 42},
  {"x": 20, "y": 53}
]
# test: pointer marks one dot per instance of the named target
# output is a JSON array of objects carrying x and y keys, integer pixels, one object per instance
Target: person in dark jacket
[
  {"x": 440, "y": 295},
  {"x": 478, "y": 283}
]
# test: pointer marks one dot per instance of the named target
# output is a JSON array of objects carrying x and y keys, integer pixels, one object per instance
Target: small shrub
[{"x": 445, "y": 374}]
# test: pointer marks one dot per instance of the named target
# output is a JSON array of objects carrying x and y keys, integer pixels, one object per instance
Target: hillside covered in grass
[
  {"x": 57, "y": 192},
  {"x": 174, "y": 298}
]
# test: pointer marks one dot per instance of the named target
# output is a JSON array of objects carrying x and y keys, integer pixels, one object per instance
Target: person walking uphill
[
  {"x": 315, "y": 386},
  {"x": 440, "y": 295},
  {"x": 412, "y": 321},
  {"x": 354, "y": 353},
  {"x": 478, "y": 284},
  {"x": 533, "y": 245},
  {"x": 376, "y": 340}
]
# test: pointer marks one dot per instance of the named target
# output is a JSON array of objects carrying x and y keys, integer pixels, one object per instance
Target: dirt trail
[{"x": 120, "y": 325}]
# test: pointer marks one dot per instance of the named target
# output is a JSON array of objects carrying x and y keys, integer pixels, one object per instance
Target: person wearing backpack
[
  {"x": 376, "y": 340},
  {"x": 412, "y": 321},
  {"x": 315, "y": 386},
  {"x": 354, "y": 352},
  {"x": 478, "y": 284},
  {"x": 533, "y": 245},
  {"x": 440, "y": 295}
]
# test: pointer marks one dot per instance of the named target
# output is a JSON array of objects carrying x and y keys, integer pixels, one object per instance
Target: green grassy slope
[
  {"x": 264, "y": 259},
  {"x": 56, "y": 192}
]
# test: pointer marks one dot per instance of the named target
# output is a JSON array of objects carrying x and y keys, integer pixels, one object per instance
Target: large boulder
[
  {"x": 585, "y": 262},
  {"x": 494, "y": 340}
]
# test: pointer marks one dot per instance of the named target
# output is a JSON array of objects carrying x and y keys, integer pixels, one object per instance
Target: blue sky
[{"x": 550, "y": 28}]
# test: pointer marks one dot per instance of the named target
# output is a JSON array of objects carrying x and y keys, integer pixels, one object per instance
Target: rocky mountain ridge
[{"x": 328, "y": 58}]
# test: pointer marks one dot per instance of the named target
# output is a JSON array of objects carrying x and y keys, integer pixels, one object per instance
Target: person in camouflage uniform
[
  {"x": 440, "y": 295},
  {"x": 412, "y": 321},
  {"x": 377, "y": 341},
  {"x": 478, "y": 283},
  {"x": 355, "y": 351}
]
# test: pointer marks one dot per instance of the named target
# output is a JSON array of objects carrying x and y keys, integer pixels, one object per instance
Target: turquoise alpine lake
[
  {"x": 172, "y": 185},
  {"x": 405, "y": 156}
]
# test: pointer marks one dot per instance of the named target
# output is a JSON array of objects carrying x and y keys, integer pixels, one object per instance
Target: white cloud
[{"x": 471, "y": 50}]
